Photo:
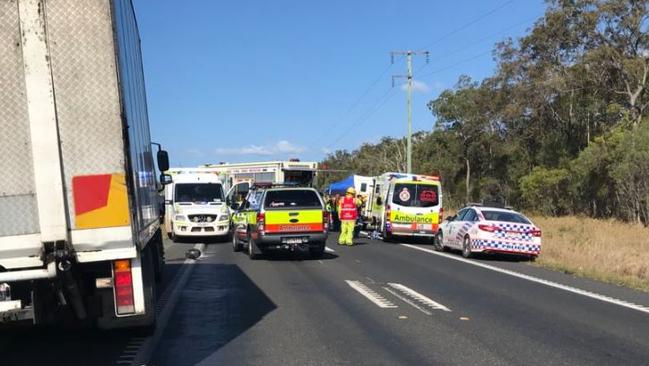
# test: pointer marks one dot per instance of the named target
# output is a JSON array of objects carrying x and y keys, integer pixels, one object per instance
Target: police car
[{"x": 478, "y": 229}]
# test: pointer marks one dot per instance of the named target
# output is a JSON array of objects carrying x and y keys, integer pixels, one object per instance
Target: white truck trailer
[{"x": 79, "y": 206}]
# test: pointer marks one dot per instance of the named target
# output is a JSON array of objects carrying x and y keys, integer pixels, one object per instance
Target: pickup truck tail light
[
  {"x": 261, "y": 222},
  {"x": 325, "y": 220},
  {"x": 123, "y": 287}
]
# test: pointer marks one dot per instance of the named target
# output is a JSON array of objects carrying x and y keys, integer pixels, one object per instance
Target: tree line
[{"x": 561, "y": 127}]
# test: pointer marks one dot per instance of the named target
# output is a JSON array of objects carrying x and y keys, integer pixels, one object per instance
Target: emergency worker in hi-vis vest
[{"x": 347, "y": 210}]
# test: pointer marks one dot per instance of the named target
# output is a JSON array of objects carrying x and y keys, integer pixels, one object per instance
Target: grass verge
[{"x": 605, "y": 250}]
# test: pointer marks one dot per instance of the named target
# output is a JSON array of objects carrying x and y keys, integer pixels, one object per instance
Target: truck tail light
[
  {"x": 488, "y": 228},
  {"x": 123, "y": 287},
  {"x": 536, "y": 233},
  {"x": 261, "y": 222},
  {"x": 441, "y": 214}
]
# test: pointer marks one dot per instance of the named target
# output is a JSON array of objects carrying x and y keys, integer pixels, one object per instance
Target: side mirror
[
  {"x": 165, "y": 179},
  {"x": 379, "y": 201},
  {"x": 163, "y": 161}
]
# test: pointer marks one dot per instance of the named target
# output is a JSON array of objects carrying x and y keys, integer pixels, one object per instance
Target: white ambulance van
[
  {"x": 195, "y": 207},
  {"x": 406, "y": 205}
]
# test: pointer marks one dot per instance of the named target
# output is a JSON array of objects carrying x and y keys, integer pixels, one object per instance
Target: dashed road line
[
  {"x": 371, "y": 295},
  {"x": 426, "y": 301},
  {"x": 592, "y": 295},
  {"x": 329, "y": 250},
  {"x": 407, "y": 301}
]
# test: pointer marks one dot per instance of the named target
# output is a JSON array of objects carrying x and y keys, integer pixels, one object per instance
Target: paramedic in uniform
[{"x": 348, "y": 212}]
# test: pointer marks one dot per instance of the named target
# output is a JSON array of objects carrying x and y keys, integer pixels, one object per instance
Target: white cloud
[
  {"x": 286, "y": 147},
  {"x": 282, "y": 147},
  {"x": 326, "y": 150},
  {"x": 417, "y": 86}
]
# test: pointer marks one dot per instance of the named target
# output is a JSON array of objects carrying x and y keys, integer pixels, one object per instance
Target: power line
[
  {"x": 478, "y": 41},
  {"x": 369, "y": 88},
  {"x": 344, "y": 116},
  {"x": 454, "y": 65},
  {"x": 377, "y": 106},
  {"x": 481, "y": 40},
  {"x": 468, "y": 24}
]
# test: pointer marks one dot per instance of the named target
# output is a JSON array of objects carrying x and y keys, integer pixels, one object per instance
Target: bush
[{"x": 546, "y": 191}]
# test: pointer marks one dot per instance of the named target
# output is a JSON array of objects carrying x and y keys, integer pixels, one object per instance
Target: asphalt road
[{"x": 371, "y": 304}]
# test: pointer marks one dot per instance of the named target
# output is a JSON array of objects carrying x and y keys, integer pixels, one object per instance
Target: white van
[
  {"x": 195, "y": 207},
  {"x": 406, "y": 205}
]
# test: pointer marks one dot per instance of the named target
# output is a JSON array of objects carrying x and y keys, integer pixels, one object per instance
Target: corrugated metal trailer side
[{"x": 80, "y": 184}]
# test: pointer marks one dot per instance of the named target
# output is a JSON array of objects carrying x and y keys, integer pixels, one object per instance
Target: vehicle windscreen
[
  {"x": 505, "y": 216},
  {"x": 198, "y": 192},
  {"x": 415, "y": 195},
  {"x": 292, "y": 199}
]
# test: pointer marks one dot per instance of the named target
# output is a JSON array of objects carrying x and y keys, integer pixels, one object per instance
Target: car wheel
[
  {"x": 466, "y": 247},
  {"x": 251, "y": 249},
  {"x": 236, "y": 246},
  {"x": 438, "y": 244}
]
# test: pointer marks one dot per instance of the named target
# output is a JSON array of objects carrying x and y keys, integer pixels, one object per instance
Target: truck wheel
[
  {"x": 158, "y": 254},
  {"x": 150, "y": 292},
  {"x": 252, "y": 248},
  {"x": 466, "y": 247},
  {"x": 317, "y": 251},
  {"x": 236, "y": 245}
]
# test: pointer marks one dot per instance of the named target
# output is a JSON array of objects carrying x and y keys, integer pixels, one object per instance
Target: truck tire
[
  {"x": 236, "y": 245},
  {"x": 158, "y": 252},
  {"x": 253, "y": 251}
]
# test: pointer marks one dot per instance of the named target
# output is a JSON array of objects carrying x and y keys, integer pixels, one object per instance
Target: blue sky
[{"x": 259, "y": 80}]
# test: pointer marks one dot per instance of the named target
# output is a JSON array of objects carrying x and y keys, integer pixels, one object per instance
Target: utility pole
[{"x": 408, "y": 77}]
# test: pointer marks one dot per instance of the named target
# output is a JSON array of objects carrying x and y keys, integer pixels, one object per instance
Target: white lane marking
[
  {"x": 173, "y": 294},
  {"x": 419, "y": 297},
  {"x": 329, "y": 250},
  {"x": 407, "y": 301},
  {"x": 592, "y": 295},
  {"x": 371, "y": 295}
]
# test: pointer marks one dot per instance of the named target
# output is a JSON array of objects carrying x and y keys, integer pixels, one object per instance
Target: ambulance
[
  {"x": 406, "y": 205},
  {"x": 238, "y": 178},
  {"x": 195, "y": 206}
]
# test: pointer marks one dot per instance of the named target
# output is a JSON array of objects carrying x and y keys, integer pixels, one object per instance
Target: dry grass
[{"x": 605, "y": 250}]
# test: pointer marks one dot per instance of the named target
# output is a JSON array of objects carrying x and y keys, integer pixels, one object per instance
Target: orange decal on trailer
[{"x": 100, "y": 201}]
